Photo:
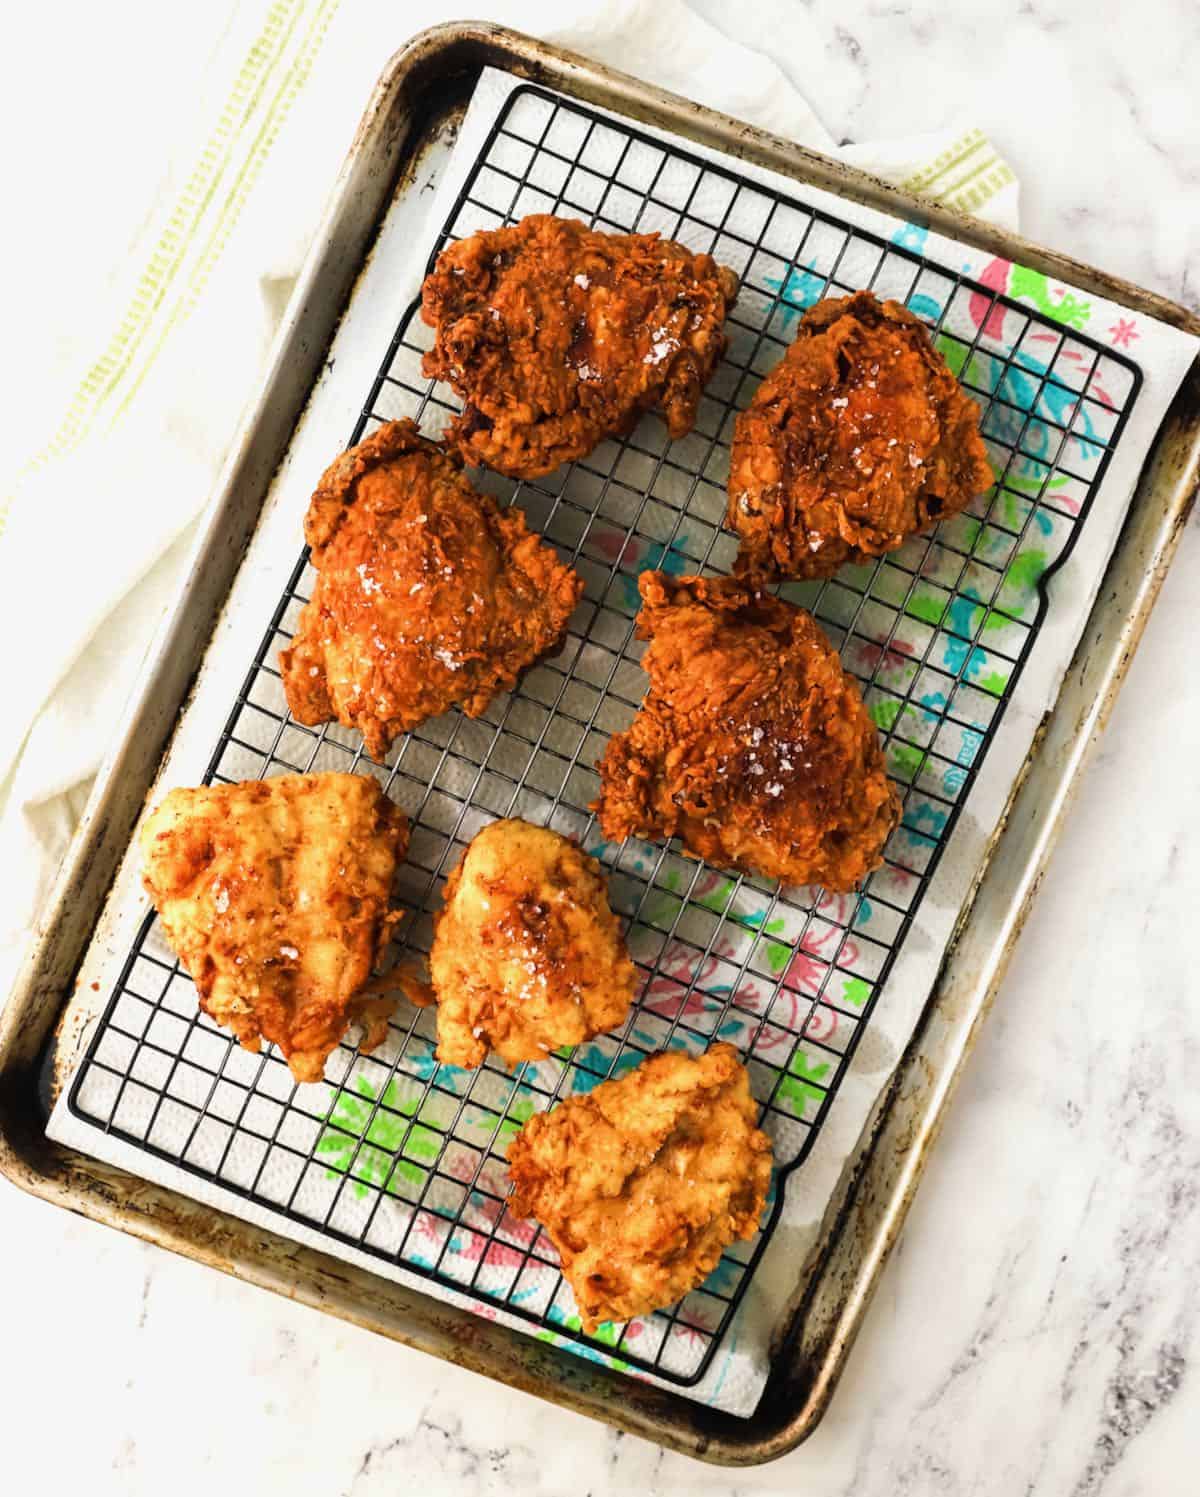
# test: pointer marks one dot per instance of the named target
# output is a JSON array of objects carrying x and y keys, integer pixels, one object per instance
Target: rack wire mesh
[{"x": 404, "y": 1158}]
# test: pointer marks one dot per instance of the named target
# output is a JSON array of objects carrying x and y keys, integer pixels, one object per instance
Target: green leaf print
[
  {"x": 954, "y": 353},
  {"x": 668, "y": 904},
  {"x": 519, "y": 1113},
  {"x": 928, "y": 607},
  {"x": 1065, "y": 308},
  {"x": 856, "y": 991},
  {"x": 801, "y": 1085},
  {"x": 605, "y": 1333},
  {"x": 1023, "y": 575},
  {"x": 366, "y": 1147},
  {"x": 1037, "y": 485},
  {"x": 778, "y": 954},
  {"x": 905, "y": 761},
  {"x": 884, "y": 714}
]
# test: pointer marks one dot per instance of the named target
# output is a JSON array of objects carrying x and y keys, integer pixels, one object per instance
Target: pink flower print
[
  {"x": 753, "y": 996},
  {"x": 873, "y": 655},
  {"x": 994, "y": 276},
  {"x": 701, "y": 1316},
  {"x": 1123, "y": 332},
  {"x": 706, "y": 883},
  {"x": 461, "y": 1165},
  {"x": 688, "y": 1335},
  {"x": 671, "y": 990},
  {"x": 892, "y": 880},
  {"x": 615, "y": 545},
  {"x": 818, "y": 950},
  {"x": 822, "y": 1024},
  {"x": 770, "y": 1037},
  {"x": 426, "y": 1224},
  {"x": 473, "y": 1240},
  {"x": 674, "y": 1002}
]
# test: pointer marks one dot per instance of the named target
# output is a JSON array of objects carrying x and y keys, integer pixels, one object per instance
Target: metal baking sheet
[
  {"x": 562, "y": 505},
  {"x": 403, "y": 1158}
]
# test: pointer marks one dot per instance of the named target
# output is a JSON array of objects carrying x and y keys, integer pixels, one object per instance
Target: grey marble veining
[
  {"x": 1036, "y": 1333},
  {"x": 1093, "y": 104}
]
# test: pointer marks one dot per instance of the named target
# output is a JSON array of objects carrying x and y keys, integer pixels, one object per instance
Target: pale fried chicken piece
[
  {"x": 527, "y": 954},
  {"x": 427, "y": 593},
  {"x": 752, "y": 746},
  {"x": 274, "y": 896},
  {"x": 642, "y": 1183},
  {"x": 557, "y": 336},
  {"x": 858, "y": 437}
]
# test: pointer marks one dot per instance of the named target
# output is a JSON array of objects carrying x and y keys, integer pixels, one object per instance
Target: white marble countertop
[{"x": 1037, "y": 1329}]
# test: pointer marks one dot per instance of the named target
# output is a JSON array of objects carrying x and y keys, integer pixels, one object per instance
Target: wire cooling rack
[{"x": 404, "y": 1158}]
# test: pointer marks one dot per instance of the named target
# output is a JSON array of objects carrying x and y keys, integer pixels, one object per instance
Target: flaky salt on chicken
[
  {"x": 527, "y": 953},
  {"x": 427, "y": 596},
  {"x": 642, "y": 1183},
  {"x": 859, "y": 437},
  {"x": 274, "y": 896},
  {"x": 752, "y": 745},
  {"x": 556, "y": 336}
]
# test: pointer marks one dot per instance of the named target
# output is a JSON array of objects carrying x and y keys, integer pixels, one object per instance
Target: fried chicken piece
[
  {"x": 527, "y": 954},
  {"x": 752, "y": 746},
  {"x": 427, "y": 595},
  {"x": 858, "y": 437},
  {"x": 274, "y": 895},
  {"x": 642, "y": 1183},
  {"x": 557, "y": 336}
]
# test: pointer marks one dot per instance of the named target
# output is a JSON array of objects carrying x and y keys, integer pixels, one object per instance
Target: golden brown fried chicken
[
  {"x": 274, "y": 895},
  {"x": 642, "y": 1183},
  {"x": 752, "y": 746},
  {"x": 557, "y": 336},
  {"x": 858, "y": 437},
  {"x": 527, "y": 954},
  {"x": 427, "y": 594}
]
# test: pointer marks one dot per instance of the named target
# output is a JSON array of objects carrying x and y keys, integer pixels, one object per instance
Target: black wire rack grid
[{"x": 405, "y": 1159}]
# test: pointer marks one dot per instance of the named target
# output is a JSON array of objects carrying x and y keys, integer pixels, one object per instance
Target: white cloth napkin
[{"x": 94, "y": 527}]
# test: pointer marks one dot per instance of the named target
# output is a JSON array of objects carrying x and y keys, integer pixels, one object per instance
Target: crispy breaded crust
[
  {"x": 527, "y": 954},
  {"x": 858, "y": 437},
  {"x": 274, "y": 895},
  {"x": 752, "y": 746},
  {"x": 557, "y": 336},
  {"x": 428, "y": 595},
  {"x": 643, "y": 1182}
]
